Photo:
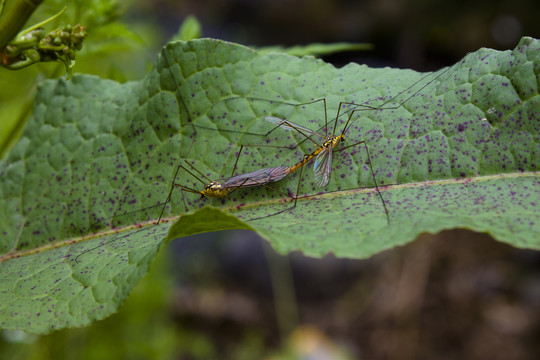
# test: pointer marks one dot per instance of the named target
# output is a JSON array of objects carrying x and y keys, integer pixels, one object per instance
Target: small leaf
[
  {"x": 317, "y": 49},
  {"x": 462, "y": 152},
  {"x": 190, "y": 30}
]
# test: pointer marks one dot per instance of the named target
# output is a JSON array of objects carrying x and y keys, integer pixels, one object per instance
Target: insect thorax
[
  {"x": 333, "y": 141},
  {"x": 214, "y": 189}
]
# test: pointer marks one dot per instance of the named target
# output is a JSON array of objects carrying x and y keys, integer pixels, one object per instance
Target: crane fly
[{"x": 219, "y": 188}]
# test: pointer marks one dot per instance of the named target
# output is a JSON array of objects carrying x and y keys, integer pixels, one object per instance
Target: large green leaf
[{"x": 461, "y": 152}]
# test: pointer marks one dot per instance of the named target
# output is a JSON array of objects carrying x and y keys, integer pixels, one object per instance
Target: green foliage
[
  {"x": 317, "y": 49},
  {"x": 190, "y": 30},
  {"x": 32, "y": 45},
  {"x": 461, "y": 152},
  {"x": 157, "y": 339},
  {"x": 111, "y": 50}
]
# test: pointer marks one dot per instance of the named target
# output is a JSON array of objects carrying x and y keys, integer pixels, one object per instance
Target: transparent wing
[
  {"x": 287, "y": 125},
  {"x": 257, "y": 178},
  {"x": 323, "y": 167}
]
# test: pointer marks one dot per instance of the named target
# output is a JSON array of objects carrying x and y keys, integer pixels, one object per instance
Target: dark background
[{"x": 421, "y": 34}]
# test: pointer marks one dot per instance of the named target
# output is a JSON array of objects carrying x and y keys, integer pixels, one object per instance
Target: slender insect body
[
  {"x": 320, "y": 154},
  {"x": 221, "y": 188}
]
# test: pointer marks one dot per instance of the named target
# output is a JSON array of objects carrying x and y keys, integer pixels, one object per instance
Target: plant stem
[{"x": 14, "y": 20}]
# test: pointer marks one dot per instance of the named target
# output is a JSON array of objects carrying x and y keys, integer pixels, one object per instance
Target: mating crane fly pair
[
  {"x": 323, "y": 152},
  {"x": 322, "y": 167},
  {"x": 325, "y": 145}
]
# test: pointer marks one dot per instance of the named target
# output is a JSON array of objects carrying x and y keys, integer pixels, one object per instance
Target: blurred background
[{"x": 228, "y": 295}]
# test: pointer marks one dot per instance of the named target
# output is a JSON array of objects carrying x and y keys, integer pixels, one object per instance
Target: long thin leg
[
  {"x": 173, "y": 186},
  {"x": 184, "y": 200},
  {"x": 372, "y": 174},
  {"x": 286, "y": 209},
  {"x": 274, "y": 128},
  {"x": 184, "y": 188},
  {"x": 250, "y": 145},
  {"x": 195, "y": 176},
  {"x": 376, "y": 185},
  {"x": 169, "y": 195},
  {"x": 236, "y": 162},
  {"x": 382, "y": 106}
]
